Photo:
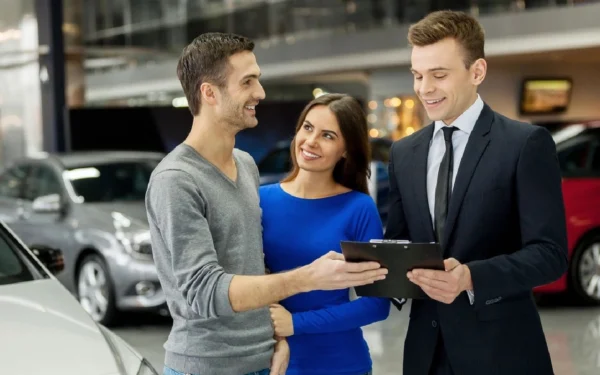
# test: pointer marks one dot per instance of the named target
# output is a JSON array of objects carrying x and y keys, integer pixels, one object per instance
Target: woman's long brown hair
[{"x": 352, "y": 171}]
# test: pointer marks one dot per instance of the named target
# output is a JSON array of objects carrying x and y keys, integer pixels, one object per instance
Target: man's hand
[
  {"x": 281, "y": 357},
  {"x": 282, "y": 321},
  {"x": 443, "y": 286},
  {"x": 332, "y": 272}
]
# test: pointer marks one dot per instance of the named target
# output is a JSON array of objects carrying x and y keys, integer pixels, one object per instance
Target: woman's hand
[
  {"x": 281, "y": 357},
  {"x": 282, "y": 321}
]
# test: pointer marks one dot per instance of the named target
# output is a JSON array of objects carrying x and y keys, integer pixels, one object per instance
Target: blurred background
[{"x": 90, "y": 102}]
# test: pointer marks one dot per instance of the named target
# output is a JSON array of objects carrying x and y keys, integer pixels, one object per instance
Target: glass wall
[
  {"x": 169, "y": 24},
  {"x": 20, "y": 101}
]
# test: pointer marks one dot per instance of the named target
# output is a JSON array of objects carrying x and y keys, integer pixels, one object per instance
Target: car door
[
  {"x": 12, "y": 181},
  {"x": 53, "y": 229}
]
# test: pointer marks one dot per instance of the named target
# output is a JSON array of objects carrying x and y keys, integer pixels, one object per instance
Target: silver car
[
  {"x": 44, "y": 329},
  {"x": 91, "y": 206}
]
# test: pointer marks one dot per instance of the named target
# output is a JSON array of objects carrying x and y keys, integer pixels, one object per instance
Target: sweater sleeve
[
  {"x": 359, "y": 312},
  {"x": 176, "y": 217}
]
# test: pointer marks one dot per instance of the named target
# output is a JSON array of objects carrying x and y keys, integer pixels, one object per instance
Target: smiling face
[
  {"x": 243, "y": 92},
  {"x": 443, "y": 83},
  {"x": 319, "y": 143}
]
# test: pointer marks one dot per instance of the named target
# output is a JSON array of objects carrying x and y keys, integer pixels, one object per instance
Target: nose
[
  {"x": 260, "y": 93},
  {"x": 426, "y": 86},
  {"x": 312, "y": 140}
]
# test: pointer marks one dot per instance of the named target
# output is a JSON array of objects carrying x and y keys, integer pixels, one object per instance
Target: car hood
[
  {"x": 45, "y": 331},
  {"x": 134, "y": 211}
]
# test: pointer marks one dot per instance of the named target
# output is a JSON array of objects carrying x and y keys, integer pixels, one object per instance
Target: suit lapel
[
  {"x": 478, "y": 142},
  {"x": 420, "y": 156}
]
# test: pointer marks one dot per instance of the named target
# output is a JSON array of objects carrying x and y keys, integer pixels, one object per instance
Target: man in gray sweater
[{"x": 205, "y": 223}]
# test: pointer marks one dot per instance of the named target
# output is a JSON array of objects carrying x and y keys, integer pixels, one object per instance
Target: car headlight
[
  {"x": 136, "y": 244},
  {"x": 146, "y": 369}
]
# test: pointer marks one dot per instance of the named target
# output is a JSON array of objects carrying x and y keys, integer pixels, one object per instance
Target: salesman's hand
[
  {"x": 281, "y": 358},
  {"x": 282, "y": 321},
  {"x": 331, "y": 272},
  {"x": 443, "y": 286}
]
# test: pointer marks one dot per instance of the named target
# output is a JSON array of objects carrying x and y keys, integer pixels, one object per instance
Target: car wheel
[
  {"x": 95, "y": 290},
  {"x": 585, "y": 270}
]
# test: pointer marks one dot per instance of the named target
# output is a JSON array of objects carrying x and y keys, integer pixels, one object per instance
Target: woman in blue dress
[{"x": 323, "y": 201}]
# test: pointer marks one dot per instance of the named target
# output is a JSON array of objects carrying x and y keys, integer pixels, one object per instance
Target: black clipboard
[{"x": 399, "y": 258}]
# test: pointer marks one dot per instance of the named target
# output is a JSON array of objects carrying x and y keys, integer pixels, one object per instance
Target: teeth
[
  {"x": 310, "y": 155},
  {"x": 251, "y": 107},
  {"x": 433, "y": 101}
]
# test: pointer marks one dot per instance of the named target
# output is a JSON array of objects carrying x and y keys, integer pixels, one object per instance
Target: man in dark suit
[{"x": 488, "y": 189}]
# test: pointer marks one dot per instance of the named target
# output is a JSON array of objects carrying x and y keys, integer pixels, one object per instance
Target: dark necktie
[{"x": 443, "y": 189}]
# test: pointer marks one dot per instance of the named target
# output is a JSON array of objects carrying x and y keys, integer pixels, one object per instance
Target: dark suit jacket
[{"x": 506, "y": 221}]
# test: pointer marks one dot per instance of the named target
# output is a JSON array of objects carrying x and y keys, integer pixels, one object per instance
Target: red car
[{"x": 578, "y": 148}]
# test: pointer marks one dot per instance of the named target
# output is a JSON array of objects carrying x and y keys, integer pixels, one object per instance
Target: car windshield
[
  {"x": 109, "y": 182},
  {"x": 15, "y": 266}
]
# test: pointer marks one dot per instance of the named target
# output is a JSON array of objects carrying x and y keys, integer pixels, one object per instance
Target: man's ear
[
  {"x": 478, "y": 71},
  {"x": 208, "y": 94}
]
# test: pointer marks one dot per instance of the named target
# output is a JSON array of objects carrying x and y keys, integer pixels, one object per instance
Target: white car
[{"x": 44, "y": 329}]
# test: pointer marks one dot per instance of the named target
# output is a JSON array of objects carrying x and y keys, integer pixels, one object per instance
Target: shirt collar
[{"x": 466, "y": 121}]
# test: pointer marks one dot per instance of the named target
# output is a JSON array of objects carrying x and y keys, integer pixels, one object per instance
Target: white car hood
[{"x": 44, "y": 330}]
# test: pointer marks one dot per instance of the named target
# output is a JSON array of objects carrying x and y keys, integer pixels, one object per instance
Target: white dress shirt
[{"x": 437, "y": 147}]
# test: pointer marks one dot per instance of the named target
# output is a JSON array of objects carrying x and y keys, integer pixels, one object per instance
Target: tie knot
[{"x": 448, "y": 130}]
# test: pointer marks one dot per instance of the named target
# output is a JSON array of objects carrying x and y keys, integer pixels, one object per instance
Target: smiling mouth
[
  {"x": 434, "y": 101},
  {"x": 309, "y": 155},
  {"x": 250, "y": 107}
]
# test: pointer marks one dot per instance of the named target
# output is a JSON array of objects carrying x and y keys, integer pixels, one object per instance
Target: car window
[
  {"x": 12, "y": 181},
  {"x": 121, "y": 181},
  {"x": 595, "y": 153},
  {"x": 277, "y": 162},
  {"x": 16, "y": 266},
  {"x": 380, "y": 150},
  {"x": 574, "y": 158},
  {"x": 580, "y": 157},
  {"x": 42, "y": 181}
]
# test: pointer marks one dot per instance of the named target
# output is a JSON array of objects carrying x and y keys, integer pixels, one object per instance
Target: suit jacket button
[{"x": 433, "y": 323}]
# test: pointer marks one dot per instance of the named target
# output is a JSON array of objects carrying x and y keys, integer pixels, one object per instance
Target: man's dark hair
[{"x": 206, "y": 59}]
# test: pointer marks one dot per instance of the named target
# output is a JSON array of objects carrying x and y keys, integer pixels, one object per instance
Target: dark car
[{"x": 277, "y": 163}]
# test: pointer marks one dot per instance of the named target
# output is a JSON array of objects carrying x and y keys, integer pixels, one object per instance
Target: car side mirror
[
  {"x": 51, "y": 258},
  {"x": 47, "y": 204}
]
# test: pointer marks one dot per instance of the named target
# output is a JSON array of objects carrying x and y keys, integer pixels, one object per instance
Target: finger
[
  {"x": 366, "y": 276},
  {"x": 335, "y": 255},
  {"x": 436, "y": 284},
  {"x": 360, "y": 267},
  {"x": 451, "y": 263},
  {"x": 433, "y": 274},
  {"x": 356, "y": 283},
  {"x": 276, "y": 364},
  {"x": 436, "y": 294}
]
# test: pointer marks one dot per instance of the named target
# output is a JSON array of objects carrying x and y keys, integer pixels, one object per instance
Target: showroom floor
[{"x": 573, "y": 335}]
